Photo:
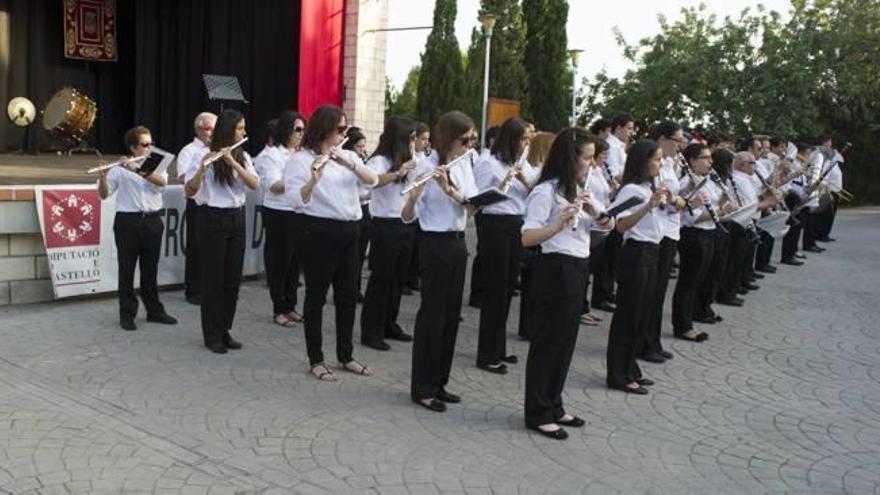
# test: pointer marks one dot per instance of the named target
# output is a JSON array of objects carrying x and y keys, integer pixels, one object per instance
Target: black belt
[
  {"x": 454, "y": 234},
  {"x": 223, "y": 210},
  {"x": 140, "y": 214},
  {"x": 567, "y": 258}
]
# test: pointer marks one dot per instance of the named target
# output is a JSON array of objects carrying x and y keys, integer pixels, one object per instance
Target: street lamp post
[
  {"x": 574, "y": 53},
  {"x": 488, "y": 22}
]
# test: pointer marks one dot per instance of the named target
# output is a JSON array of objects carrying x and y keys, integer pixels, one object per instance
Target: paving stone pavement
[{"x": 784, "y": 397}]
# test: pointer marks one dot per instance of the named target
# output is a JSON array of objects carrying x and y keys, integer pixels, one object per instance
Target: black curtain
[{"x": 164, "y": 48}]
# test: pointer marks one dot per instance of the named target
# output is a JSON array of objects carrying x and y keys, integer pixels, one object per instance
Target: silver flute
[{"x": 427, "y": 177}]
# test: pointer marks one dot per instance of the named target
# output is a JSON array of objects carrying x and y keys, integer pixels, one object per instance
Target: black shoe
[
  {"x": 194, "y": 299},
  {"x": 666, "y": 354},
  {"x": 605, "y": 306},
  {"x": 638, "y": 391},
  {"x": 800, "y": 256},
  {"x": 499, "y": 369},
  {"x": 163, "y": 318},
  {"x": 751, "y": 286},
  {"x": 652, "y": 357},
  {"x": 127, "y": 323},
  {"x": 219, "y": 348},
  {"x": 814, "y": 249},
  {"x": 405, "y": 291},
  {"x": 433, "y": 405},
  {"x": 825, "y": 238},
  {"x": 645, "y": 382},
  {"x": 766, "y": 269},
  {"x": 574, "y": 422},
  {"x": 510, "y": 359},
  {"x": 231, "y": 343},
  {"x": 559, "y": 434},
  {"x": 733, "y": 301},
  {"x": 397, "y": 333},
  {"x": 757, "y": 276},
  {"x": 448, "y": 397},
  {"x": 742, "y": 291},
  {"x": 792, "y": 262},
  {"x": 379, "y": 345},
  {"x": 718, "y": 318},
  {"x": 707, "y": 319}
]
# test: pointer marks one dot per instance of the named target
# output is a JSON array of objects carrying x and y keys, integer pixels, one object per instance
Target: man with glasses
[
  {"x": 186, "y": 161},
  {"x": 137, "y": 229}
]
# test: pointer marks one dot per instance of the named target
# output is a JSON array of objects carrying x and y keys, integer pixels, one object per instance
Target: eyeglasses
[
  {"x": 298, "y": 130},
  {"x": 145, "y": 145},
  {"x": 341, "y": 129}
]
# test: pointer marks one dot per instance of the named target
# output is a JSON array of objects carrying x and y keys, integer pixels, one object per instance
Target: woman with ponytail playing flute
[{"x": 555, "y": 221}]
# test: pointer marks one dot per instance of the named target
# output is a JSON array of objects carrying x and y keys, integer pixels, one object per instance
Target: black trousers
[
  {"x": 695, "y": 254},
  {"x": 827, "y": 217},
  {"x": 636, "y": 284},
  {"x": 711, "y": 286},
  {"x": 764, "y": 251},
  {"x": 598, "y": 241},
  {"x": 223, "y": 230},
  {"x": 528, "y": 319},
  {"x": 478, "y": 282},
  {"x": 328, "y": 251},
  {"x": 390, "y": 252},
  {"x": 812, "y": 226},
  {"x": 501, "y": 248},
  {"x": 605, "y": 262},
  {"x": 365, "y": 227},
  {"x": 412, "y": 277},
  {"x": 740, "y": 245},
  {"x": 138, "y": 241},
  {"x": 279, "y": 256},
  {"x": 792, "y": 237},
  {"x": 192, "y": 278},
  {"x": 560, "y": 285},
  {"x": 665, "y": 258},
  {"x": 748, "y": 269},
  {"x": 443, "y": 260}
]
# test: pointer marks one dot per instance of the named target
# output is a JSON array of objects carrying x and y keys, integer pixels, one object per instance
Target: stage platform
[{"x": 51, "y": 168}]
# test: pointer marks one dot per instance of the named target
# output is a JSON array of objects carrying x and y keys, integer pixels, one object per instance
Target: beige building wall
[{"x": 364, "y": 66}]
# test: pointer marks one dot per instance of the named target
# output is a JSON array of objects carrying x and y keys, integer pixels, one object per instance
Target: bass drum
[{"x": 70, "y": 114}]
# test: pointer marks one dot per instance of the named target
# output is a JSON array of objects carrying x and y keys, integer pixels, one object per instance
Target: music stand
[{"x": 223, "y": 88}]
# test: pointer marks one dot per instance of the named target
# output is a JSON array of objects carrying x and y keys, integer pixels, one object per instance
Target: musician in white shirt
[
  {"x": 622, "y": 130},
  {"x": 280, "y": 219},
  {"x": 441, "y": 208},
  {"x": 498, "y": 237},
  {"x": 558, "y": 217},
  {"x": 642, "y": 229},
  {"x": 220, "y": 186},
  {"x": 422, "y": 148},
  {"x": 187, "y": 160},
  {"x": 137, "y": 229},
  {"x": 600, "y": 192},
  {"x": 392, "y": 240},
  {"x": 324, "y": 183}
]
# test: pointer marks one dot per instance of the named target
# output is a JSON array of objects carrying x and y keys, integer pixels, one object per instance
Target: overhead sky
[{"x": 590, "y": 27}]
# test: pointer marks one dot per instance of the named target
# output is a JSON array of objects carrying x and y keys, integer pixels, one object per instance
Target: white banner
[{"x": 77, "y": 231}]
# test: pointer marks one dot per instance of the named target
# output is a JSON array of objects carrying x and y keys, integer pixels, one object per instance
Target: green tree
[
  {"x": 404, "y": 101},
  {"x": 547, "y": 69},
  {"x": 440, "y": 80},
  {"x": 507, "y": 75}
]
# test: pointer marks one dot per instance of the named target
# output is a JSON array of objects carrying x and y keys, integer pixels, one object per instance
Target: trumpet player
[
  {"x": 137, "y": 229},
  {"x": 324, "y": 182},
  {"x": 555, "y": 220},
  {"x": 392, "y": 240},
  {"x": 219, "y": 185},
  {"x": 441, "y": 208},
  {"x": 498, "y": 238},
  {"x": 794, "y": 190}
]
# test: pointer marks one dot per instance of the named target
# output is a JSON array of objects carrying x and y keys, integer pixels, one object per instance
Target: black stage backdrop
[{"x": 164, "y": 48}]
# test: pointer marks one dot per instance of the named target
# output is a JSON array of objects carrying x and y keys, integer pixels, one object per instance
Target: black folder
[{"x": 488, "y": 197}]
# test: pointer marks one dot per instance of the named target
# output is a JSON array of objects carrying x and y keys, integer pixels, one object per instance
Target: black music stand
[{"x": 223, "y": 88}]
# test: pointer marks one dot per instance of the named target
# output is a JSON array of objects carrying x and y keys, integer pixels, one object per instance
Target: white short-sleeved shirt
[
  {"x": 490, "y": 172},
  {"x": 745, "y": 190},
  {"x": 336, "y": 196},
  {"x": 713, "y": 192},
  {"x": 436, "y": 211},
  {"x": 134, "y": 194},
  {"x": 386, "y": 201},
  {"x": 270, "y": 167},
  {"x": 835, "y": 174},
  {"x": 543, "y": 207},
  {"x": 669, "y": 177},
  {"x": 186, "y": 157},
  {"x": 601, "y": 193},
  {"x": 616, "y": 155},
  {"x": 650, "y": 227},
  {"x": 220, "y": 194}
]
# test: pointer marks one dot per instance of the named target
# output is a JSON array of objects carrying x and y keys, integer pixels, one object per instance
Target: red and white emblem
[{"x": 72, "y": 217}]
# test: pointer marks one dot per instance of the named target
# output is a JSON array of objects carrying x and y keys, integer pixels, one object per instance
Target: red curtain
[{"x": 320, "y": 54}]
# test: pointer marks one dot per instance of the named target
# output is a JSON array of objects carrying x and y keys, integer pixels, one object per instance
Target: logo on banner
[{"x": 72, "y": 217}]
